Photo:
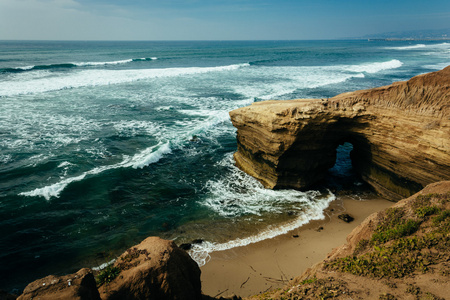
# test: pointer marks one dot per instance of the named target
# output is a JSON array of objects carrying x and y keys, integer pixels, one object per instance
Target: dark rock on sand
[{"x": 346, "y": 218}]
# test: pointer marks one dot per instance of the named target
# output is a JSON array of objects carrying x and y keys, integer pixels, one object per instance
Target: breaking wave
[
  {"x": 73, "y": 65},
  {"x": 140, "y": 160},
  {"x": 86, "y": 78},
  {"x": 412, "y": 47},
  {"x": 376, "y": 67}
]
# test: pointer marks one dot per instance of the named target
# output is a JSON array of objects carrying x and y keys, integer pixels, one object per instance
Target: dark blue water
[{"x": 105, "y": 143}]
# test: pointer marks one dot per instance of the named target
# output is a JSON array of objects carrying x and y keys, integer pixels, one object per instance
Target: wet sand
[{"x": 270, "y": 264}]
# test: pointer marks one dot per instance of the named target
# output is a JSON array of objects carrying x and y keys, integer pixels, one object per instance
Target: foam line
[
  {"x": 200, "y": 252},
  {"x": 74, "y": 64},
  {"x": 140, "y": 160},
  {"x": 87, "y": 78},
  {"x": 412, "y": 47},
  {"x": 376, "y": 67}
]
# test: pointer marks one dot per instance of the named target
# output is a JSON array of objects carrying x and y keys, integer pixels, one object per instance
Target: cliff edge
[
  {"x": 400, "y": 135},
  {"x": 402, "y": 252}
]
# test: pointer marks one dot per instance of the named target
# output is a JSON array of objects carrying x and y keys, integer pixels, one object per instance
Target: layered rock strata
[{"x": 400, "y": 135}]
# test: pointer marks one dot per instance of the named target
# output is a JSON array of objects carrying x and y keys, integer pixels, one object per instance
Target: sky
[{"x": 215, "y": 19}]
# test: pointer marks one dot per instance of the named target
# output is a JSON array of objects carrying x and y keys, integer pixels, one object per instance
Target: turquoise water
[{"x": 105, "y": 143}]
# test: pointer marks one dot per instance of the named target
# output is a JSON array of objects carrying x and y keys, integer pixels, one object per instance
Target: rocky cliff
[
  {"x": 400, "y": 135},
  {"x": 155, "y": 269},
  {"x": 402, "y": 252}
]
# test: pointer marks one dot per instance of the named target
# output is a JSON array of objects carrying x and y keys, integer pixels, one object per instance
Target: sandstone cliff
[
  {"x": 155, "y": 269},
  {"x": 400, "y": 134}
]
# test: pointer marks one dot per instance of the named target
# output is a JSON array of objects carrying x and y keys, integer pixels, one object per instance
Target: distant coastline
[
  {"x": 410, "y": 39},
  {"x": 411, "y": 35}
]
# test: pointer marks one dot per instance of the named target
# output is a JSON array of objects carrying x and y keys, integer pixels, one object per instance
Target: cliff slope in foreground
[
  {"x": 400, "y": 135},
  {"x": 400, "y": 253}
]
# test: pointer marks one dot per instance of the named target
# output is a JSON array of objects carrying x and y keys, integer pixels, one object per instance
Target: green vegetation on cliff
[{"x": 406, "y": 240}]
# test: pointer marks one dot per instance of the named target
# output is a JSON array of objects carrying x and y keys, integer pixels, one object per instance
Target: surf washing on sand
[{"x": 105, "y": 143}]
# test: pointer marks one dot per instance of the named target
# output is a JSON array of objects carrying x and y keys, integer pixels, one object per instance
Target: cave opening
[{"x": 343, "y": 176}]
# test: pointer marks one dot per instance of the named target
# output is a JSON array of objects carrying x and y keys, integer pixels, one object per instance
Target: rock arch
[{"x": 400, "y": 134}]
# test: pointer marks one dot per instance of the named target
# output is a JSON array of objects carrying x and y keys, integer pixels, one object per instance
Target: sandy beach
[{"x": 270, "y": 264}]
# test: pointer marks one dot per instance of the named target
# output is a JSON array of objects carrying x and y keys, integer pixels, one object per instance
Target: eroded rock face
[
  {"x": 154, "y": 269},
  {"x": 400, "y": 135},
  {"x": 78, "y": 286}
]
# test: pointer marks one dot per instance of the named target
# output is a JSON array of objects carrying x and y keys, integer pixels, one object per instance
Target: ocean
[{"x": 103, "y": 144}]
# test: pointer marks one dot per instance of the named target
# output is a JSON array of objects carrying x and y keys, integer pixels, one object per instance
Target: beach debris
[
  {"x": 346, "y": 218},
  {"x": 245, "y": 282},
  {"x": 220, "y": 293},
  {"x": 319, "y": 229},
  {"x": 295, "y": 236}
]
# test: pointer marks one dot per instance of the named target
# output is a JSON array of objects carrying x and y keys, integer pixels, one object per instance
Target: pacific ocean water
[{"x": 105, "y": 143}]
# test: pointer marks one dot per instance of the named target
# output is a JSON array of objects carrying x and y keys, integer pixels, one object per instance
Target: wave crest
[
  {"x": 376, "y": 67},
  {"x": 73, "y": 65},
  {"x": 87, "y": 78},
  {"x": 412, "y": 47},
  {"x": 144, "y": 158}
]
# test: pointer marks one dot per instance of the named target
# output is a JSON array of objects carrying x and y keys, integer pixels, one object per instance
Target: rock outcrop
[
  {"x": 154, "y": 269},
  {"x": 78, "y": 286},
  {"x": 400, "y": 135}
]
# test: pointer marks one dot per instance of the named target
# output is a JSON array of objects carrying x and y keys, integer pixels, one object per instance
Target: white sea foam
[
  {"x": 34, "y": 131},
  {"x": 55, "y": 189},
  {"x": 4, "y": 159},
  {"x": 135, "y": 127},
  {"x": 200, "y": 252},
  {"x": 86, "y": 78},
  {"x": 163, "y": 108},
  {"x": 139, "y": 160},
  {"x": 117, "y": 62},
  {"x": 145, "y": 157},
  {"x": 26, "y": 68},
  {"x": 145, "y": 58},
  {"x": 148, "y": 156},
  {"x": 438, "y": 66},
  {"x": 283, "y": 81},
  {"x": 84, "y": 64},
  {"x": 412, "y": 47},
  {"x": 214, "y": 118},
  {"x": 38, "y": 158},
  {"x": 65, "y": 166},
  {"x": 238, "y": 194},
  {"x": 314, "y": 211},
  {"x": 376, "y": 67}
]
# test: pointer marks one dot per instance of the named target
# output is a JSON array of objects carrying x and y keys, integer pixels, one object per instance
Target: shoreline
[{"x": 272, "y": 263}]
